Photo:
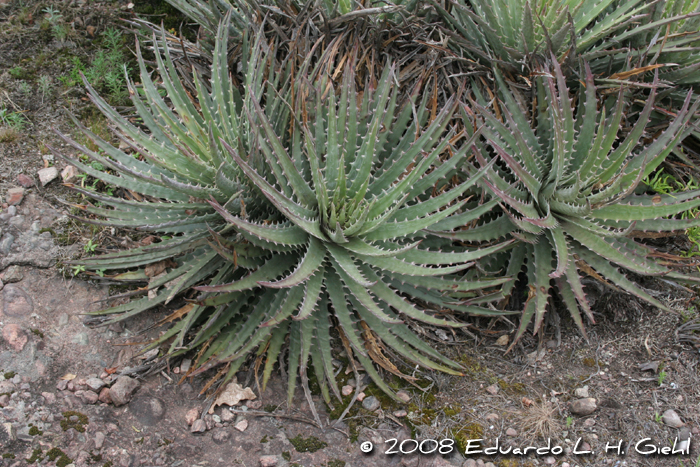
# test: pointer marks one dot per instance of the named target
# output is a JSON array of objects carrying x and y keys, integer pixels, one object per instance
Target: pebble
[
  {"x": 12, "y": 274},
  {"x": 400, "y": 413},
  {"x": 254, "y": 405},
  {"x": 549, "y": 460},
  {"x": 199, "y": 426},
  {"x": 469, "y": 463},
  {"x": 589, "y": 422},
  {"x": 62, "y": 385},
  {"x": 99, "y": 440},
  {"x": 221, "y": 436},
  {"x": 25, "y": 181},
  {"x": 47, "y": 175},
  {"x": 268, "y": 461},
  {"x": 583, "y": 406},
  {"x": 4, "y": 400},
  {"x": 15, "y": 336},
  {"x": 371, "y": 403},
  {"x": 95, "y": 384},
  {"x": 185, "y": 365},
  {"x": 49, "y": 397},
  {"x": 581, "y": 393},
  {"x": 192, "y": 415},
  {"x": 511, "y": 432},
  {"x": 69, "y": 173},
  {"x": 122, "y": 390},
  {"x": 346, "y": 390},
  {"x": 12, "y": 210},
  {"x": 671, "y": 418},
  {"x": 227, "y": 415},
  {"x": 492, "y": 417},
  {"x": 81, "y": 338},
  {"x": 104, "y": 396},
  {"x": 241, "y": 426},
  {"x": 15, "y": 196},
  {"x": 493, "y": 389},
  {"x": 6, "y": 243},
  {"x": 89, "y": 397}
]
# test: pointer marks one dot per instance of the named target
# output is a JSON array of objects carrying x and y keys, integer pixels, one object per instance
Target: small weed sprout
[
  {"x": 24, "y": 88},
  {"x": 569, "y": 421},
  {"x": 59, "y": 30},
  {"x": 77, "y": 269},
  {"x": 90, "y": 247},
  {"x": 44, "y": 86},
  {"x": 662, "y": 376}
]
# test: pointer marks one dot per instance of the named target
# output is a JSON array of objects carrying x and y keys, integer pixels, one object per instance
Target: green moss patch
[
  {"x": 78, "y": 425},
  {"x": 310, "y": 444},
  {"x": 55, "y": 454}
]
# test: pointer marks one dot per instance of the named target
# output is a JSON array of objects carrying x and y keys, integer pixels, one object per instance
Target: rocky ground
[{"x": 73, "y": 393}]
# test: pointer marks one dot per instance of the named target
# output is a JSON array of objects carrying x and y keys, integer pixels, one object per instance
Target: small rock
[
  {"x": 502, "y": 341},
  {"x": 489, "y": 464},
  {"x": 12, "y": 274},
  {"x": 47, "y": 175},
  {"x": 220, "y": 436},
  {"x": 81, "y": 338},
  {"x": 62, "y": 385},
  {"x": 400, "y": 413},
  {"x": 469, "y": 463},
  {"x": 493, "y": 389},
  {"x": 371, "y": 403},
  {"x": 15, "y": 196},
  {"x": 25, "y": 181},
  {"x": 254, "y": 405},
  {"x": 549, "y": 460},
  {"x": 89, "y": 397},
  {"x": 6, "y": 243},
  {"x": 403, "y": 395},
  {"x": 49, "y": 397},
  {"x": 511, "y": 432},
  {"x": 671, "y": 418},
  {"x": 209, "y": 421},
  {"x": 582, "y": 393},
  {"x": 95, "y": 384},
  {"x": 14, "y": 336},
  {"x": 192, "y": 415},
  {"x": 583, "y": 406},
  {"x": 361, "y": 396},
  {"x": 8, "y": 433},
  {"x": 199, "y": 426},
  {"x": 69, "y": 173},
  {"x": 268, "y": 461},
  {"x": 227, "y": 415},
  {"x": 105, "y": 396},
  {"x": 492, "y": 417},
  {"x": 12, "y": 210},
  {"x": 552, "y": 344},
  {"x": 99, "y": 440},
  {"x": 241, "y": 426},
  {"x": 4, "y": 400},
  {"x": 185, "y": 365},
  {"x": 122, "y": 390},
  {"x": 346, "y": 390},
  {"x": 216, "y": 418}
]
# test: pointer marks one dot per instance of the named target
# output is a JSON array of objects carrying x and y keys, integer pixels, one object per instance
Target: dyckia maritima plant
[
  {"x": 567, "y": 187},
  {"x": 297, "y": 209}
]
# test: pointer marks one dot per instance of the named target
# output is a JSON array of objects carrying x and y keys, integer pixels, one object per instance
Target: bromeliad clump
[
  {"x": 296, "y": 206},
  {"x": 567, "y": 190}
]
